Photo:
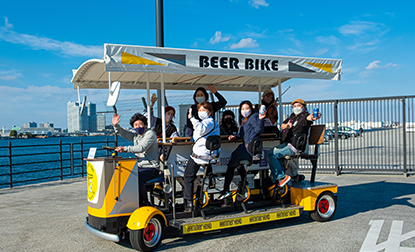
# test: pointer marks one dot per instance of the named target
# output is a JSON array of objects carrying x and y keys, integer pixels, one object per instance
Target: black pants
[
  {"x": 190, "y": 177},
  {"x": 237, "y": 155},
  {"x": 144, "y": 175}
]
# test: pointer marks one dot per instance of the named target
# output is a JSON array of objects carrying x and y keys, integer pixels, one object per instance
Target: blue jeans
[{"x": 274, "y": 156}]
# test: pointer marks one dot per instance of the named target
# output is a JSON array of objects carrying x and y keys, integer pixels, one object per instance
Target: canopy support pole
[
  {"x": 109, "y": 81},
  {"x": 163, "y": 104},
  {"x": 259, "y": 92},
  {"x": 115, "y": 112},
  {"x": 279, "y": 102},
  {"x": 149, "y": 101}
]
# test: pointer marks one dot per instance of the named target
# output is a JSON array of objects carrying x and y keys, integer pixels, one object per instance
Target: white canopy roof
[{"x": 187, "y": 69}]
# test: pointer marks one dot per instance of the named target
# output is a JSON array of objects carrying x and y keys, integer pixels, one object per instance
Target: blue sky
[{"x": 42, "y": 41}]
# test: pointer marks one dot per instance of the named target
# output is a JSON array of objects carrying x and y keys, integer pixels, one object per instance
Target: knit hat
[
  {"x": 301, "y": 101},
  {"x": 268, "y": 91}
]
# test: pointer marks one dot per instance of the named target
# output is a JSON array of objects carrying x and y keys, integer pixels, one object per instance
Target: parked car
[
  {"x": 328, "y": 135},
  {"x": 342, "y": 134},
  {"x": 352, "y": 132}
]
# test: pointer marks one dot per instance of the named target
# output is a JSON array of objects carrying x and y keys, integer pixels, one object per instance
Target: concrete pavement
[{"x": 374, "y": 212}]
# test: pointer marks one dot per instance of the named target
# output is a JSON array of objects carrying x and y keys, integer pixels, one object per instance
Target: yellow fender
[{"x": 141, "y": 216}]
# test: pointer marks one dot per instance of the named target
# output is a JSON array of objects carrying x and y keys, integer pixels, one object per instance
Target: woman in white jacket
[{"x": 200, "y": 154}]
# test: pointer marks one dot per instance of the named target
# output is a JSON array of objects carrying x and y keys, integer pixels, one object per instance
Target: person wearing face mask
[
  {"x": 268, "y": 99},
  {"x": 200, "y": 96},
  {"x": 252, "y": 126},
  {"x": 145, "y": 148},
  {"x": 200, "y": 154},
  {"x": 228, "y": 125},
  {"x": 298, "y": 122},
  {"x": 156, "y": 123}
]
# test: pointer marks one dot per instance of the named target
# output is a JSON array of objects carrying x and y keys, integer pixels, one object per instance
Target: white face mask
[
  {"x": 297, "y": 110},
  {"x": 245, "y": 113},
  {"x": 200, "y": 99},
  {"x": 202, "y": 115}
]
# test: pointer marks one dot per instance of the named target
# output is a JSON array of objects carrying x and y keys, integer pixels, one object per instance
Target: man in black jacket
[{"x": 297, "y": 123}]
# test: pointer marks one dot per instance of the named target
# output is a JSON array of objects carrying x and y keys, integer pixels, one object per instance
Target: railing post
[
  {"x": 60, "y": 159},
  {"x": 10, "y": 165},
  {"x": 336, "y": 139},
  {"x": 72, "y": 159},
  {"x": 405, "y": 171},
  {"x": 107, "y": 145},
  {"x": 82, "y": 158}
]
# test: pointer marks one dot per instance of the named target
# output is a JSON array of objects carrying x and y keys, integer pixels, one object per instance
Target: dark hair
[
  {"x": 138, "y": 117},
  {"x": 240, "y": 108},
  {"x": 204, "y": 92},
  {"x": 225, "y": 113},
  {"x": 207, "y": 106}
]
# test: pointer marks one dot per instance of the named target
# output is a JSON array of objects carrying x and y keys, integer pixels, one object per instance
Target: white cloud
[
  {"x": 364, "y": 47},
  {"x": 297, "y": 42},
  {"x": 327, "y": 40},
  {"x": 391, "y": 65},
  {"x": 245, "y": 43},
  {"x": 257, "y": 3},
  {"x": 9, "y": 74},
  {"x": 375, "y": 65},
  {"x": 217, "y": 38},
  {"x": 360, "y": 27},
  {"x": 42, "y": 43},
  {"x": 321, "y": 51},
  {"x": 6, "y": 23}
]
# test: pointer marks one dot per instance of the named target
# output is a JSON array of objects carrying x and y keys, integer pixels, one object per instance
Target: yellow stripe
[
  {"x": 241, "y": 221},
  {"x": 127, "y": 58},
  {"x": 322, "y": 66}
]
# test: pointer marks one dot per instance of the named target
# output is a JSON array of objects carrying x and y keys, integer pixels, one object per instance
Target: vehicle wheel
[
  {"x": 149, "y": 238},
  {"x": 353, "y": 135},
  {"x": 244, "y": 197},
  {"x": 203, "y": 202},
  {"x": 326, "y": 206},
  {"x": 344, "y": 136}
]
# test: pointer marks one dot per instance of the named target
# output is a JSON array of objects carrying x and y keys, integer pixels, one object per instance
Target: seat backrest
[
  {"x": 255, "y": 146},
  {"x": 316, "y": 134},
  {"x": 213, "y": 142}
]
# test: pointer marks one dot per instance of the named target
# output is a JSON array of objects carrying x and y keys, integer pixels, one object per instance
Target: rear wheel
[
  {"x": 326, "y": 206},
  {"x": 149, "y": 238}
]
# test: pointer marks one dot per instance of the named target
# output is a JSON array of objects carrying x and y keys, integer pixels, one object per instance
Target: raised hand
[{"x": 115, "y": 119}]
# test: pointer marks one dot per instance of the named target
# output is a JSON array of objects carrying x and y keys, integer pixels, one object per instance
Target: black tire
[
  {"x": 343, "y": 136},
  {"x": 326, "y": 207},
  {"x": 149, "y": 238}
]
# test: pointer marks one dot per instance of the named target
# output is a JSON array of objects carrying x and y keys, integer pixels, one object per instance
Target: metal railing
[
  {"x": 387, "y": 141},
  {"x": 28, "y": 164}
]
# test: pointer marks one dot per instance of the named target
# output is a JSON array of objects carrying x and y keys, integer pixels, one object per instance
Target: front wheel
[
  {"x": 326, "y": 206},
  {"x": 149, "y": 238}
]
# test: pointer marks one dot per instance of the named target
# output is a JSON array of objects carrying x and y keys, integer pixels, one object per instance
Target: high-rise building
[
  {"x": 30, "y": 125},
  {"x": 87, "y": 122},
  {"x": 100, "y": 122}
]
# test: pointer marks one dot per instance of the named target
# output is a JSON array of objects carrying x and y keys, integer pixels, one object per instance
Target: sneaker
[
  {"x": 188, "y": 206},
  {"x": 224, "y": 195},
  {"x": 284, "y": 181}
]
